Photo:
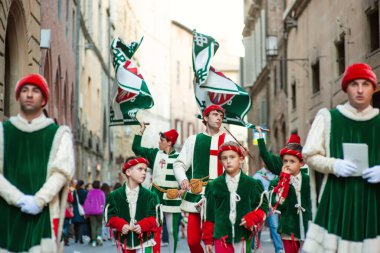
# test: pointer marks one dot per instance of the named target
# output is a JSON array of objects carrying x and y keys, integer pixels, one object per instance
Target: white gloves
[
  {"x": 372, "y": 175},
  {"x": 28, "y": 204},
  {"x": 343, "y": 168}
]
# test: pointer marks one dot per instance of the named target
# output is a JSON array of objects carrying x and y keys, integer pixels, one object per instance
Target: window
[
  {"x": 178, "y": 127},
  {"x": 373, "y": 18},
  {"x": 275, "y": 80},
  {"x": 341, "y": 56},
  {"x": 59, "y": 3},
  {"x": 190, "y": 129},
  {"x": 178, "y": 72},
  {"x": 73, "y": 32},
  {"x": 67, "y": 18},
  {"x": 263, "y": 112},
  {"x": 316, "y": 77},
  {"x": 100, "y": 26},
  {"x": 294, "y": 95}
]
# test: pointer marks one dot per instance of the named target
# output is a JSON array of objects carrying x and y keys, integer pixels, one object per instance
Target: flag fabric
[
  {"x": 204, "y": 48},
  {"x": 129, "y": 93},
  {"x": 220, "y": 90}
]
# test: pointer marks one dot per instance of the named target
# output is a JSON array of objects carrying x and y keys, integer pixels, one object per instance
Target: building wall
[{"x": 19, "y": 48}]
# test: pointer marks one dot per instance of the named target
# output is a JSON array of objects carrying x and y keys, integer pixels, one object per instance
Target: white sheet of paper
[{"x": 358, "y": 154}]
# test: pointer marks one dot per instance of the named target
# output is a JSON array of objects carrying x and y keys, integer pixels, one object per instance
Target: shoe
[
  {"x": 164, "y": 244},
  {"x": 93, "y": 244},
  {"x": 99, "y": 241}
]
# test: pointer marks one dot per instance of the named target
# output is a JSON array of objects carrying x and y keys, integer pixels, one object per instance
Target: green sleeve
[
  {"x": 111, "y": 209},
  {"x": 258, "y": 195},
  {"x": 153, "y": 203},
  {"x": 210, "y": 207},
  {"x": 148, "y": 153},
  {"x": 273, "y": 162}
]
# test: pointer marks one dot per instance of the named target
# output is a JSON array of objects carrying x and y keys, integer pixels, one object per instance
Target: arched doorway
[{"x": 15, "y": 55}]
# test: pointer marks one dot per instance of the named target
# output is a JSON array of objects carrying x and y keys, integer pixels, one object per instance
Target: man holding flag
[{"x": 199, "y": 160}]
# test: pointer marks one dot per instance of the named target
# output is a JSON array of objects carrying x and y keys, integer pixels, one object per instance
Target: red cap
[
  {"x": 358, "y": 71},
  {"x": 294, "y": 138},
  {"x": 34, "y": 79},
  {"x": 213, "y": 108},
  {"x": 170, "y": 135},
  {"x": 134, "y": 162}
]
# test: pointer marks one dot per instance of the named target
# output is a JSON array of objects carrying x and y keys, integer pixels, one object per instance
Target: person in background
[
  {"x": 80, "y": 222},
  {"x": 69, "y": 214},
  {"x": 93, "y": 207},
  {"x": 106, "y": 232}
]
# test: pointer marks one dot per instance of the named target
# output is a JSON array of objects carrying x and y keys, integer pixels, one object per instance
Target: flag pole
[{"x": 240, "y": 144}]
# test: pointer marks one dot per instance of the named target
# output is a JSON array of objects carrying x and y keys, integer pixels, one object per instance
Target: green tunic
[
  {"x": 218, "y": 205},
  {"x": 163, "y": 174},
  {"x": 117, "y": 206},
  {"x": 290, "y": 214},
  {"x": 26, "y": 157},
  {"x": 350, "y": 206}
]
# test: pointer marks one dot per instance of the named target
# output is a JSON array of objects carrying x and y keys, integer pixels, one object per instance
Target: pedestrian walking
[
  {"x": 37, "y": 163},
  {"x": 199, "y": 160},
  {"x": 236, "y": 205},
  {"x": 131, "y": 209},
  {"x": 348, "y": 209},
  {"x": 79, "y": 219},
  {"x": 163, "y": 181},
  {"x": 93, "y": 208}
]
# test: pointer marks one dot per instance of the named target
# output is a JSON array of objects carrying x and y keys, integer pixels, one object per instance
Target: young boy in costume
[
  {"x": 236, "y": 205},
  {"x": 131, "y": 209},
  {"x": 291, "y": 196},
  {"x": 164, "y": 182}
]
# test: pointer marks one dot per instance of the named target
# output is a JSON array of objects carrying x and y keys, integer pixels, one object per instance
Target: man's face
[
  {"x": 214, "y": 119},
  {"x": 360, "y": 93},
  {"x": 137, "y": 173},
  {"x": 31, "y": 99},
  {"x": 163, "y": 144}
]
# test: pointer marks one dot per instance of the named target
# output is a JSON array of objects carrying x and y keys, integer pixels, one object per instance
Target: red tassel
[{"x": 223, "y": 241}]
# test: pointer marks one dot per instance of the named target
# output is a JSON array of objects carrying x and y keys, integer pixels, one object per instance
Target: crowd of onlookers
[{"x": 84, "y": 213}]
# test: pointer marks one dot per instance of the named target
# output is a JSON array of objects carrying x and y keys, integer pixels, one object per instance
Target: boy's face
[
  {"x": 291, "y": 164},
  {"x": 31, "y": 99},
  {"x": 137, "y": 173},
  {"x": 231, "y": 162}
]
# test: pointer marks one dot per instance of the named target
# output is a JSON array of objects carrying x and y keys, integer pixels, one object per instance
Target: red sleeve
[
  {"x": 116, "y": 223},
  {"x": 208, "y": 232},
  {"x": 255, "y": 217},
  {"x": 148, "y": 224},
  {"x": 70, "y": 197}
]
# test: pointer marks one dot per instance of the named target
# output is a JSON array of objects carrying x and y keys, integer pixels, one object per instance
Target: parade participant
[
  {"x": 346, "y": 218},
  {"x": 236, "y": 205},
  {"x": 199, "y": 154},
  {"x": 164, "y": 183},
  {"x": 37, "y": 163},
  {"x": 290, "y": 195},
  {"x": 266, "y": 176},
  {"x": 131, "y": 209}
]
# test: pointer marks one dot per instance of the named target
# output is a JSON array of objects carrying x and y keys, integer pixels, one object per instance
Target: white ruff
[
  {"x": 36, "y": 124},
  {"x": 318, "y": 240}
]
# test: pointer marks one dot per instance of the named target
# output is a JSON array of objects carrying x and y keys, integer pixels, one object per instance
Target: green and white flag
[
  {"x": 204, "y": 48},
  {"x": 129, "y": 92},
  {"x": 220, "y": 90}
]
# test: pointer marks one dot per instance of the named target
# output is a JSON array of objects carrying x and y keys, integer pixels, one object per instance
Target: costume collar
[
  {"x": 352, "y": 113},
  {"x": 36, "y": 124},
  {"x": 235, "y": 178}
]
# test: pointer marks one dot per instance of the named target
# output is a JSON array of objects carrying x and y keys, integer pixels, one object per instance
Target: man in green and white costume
[
  {"x": 36, "y": 164},
  {"x": 162, "y": 160},
  {"x": 347, "y": 218},
  {"x": 199, "y": 160}
]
